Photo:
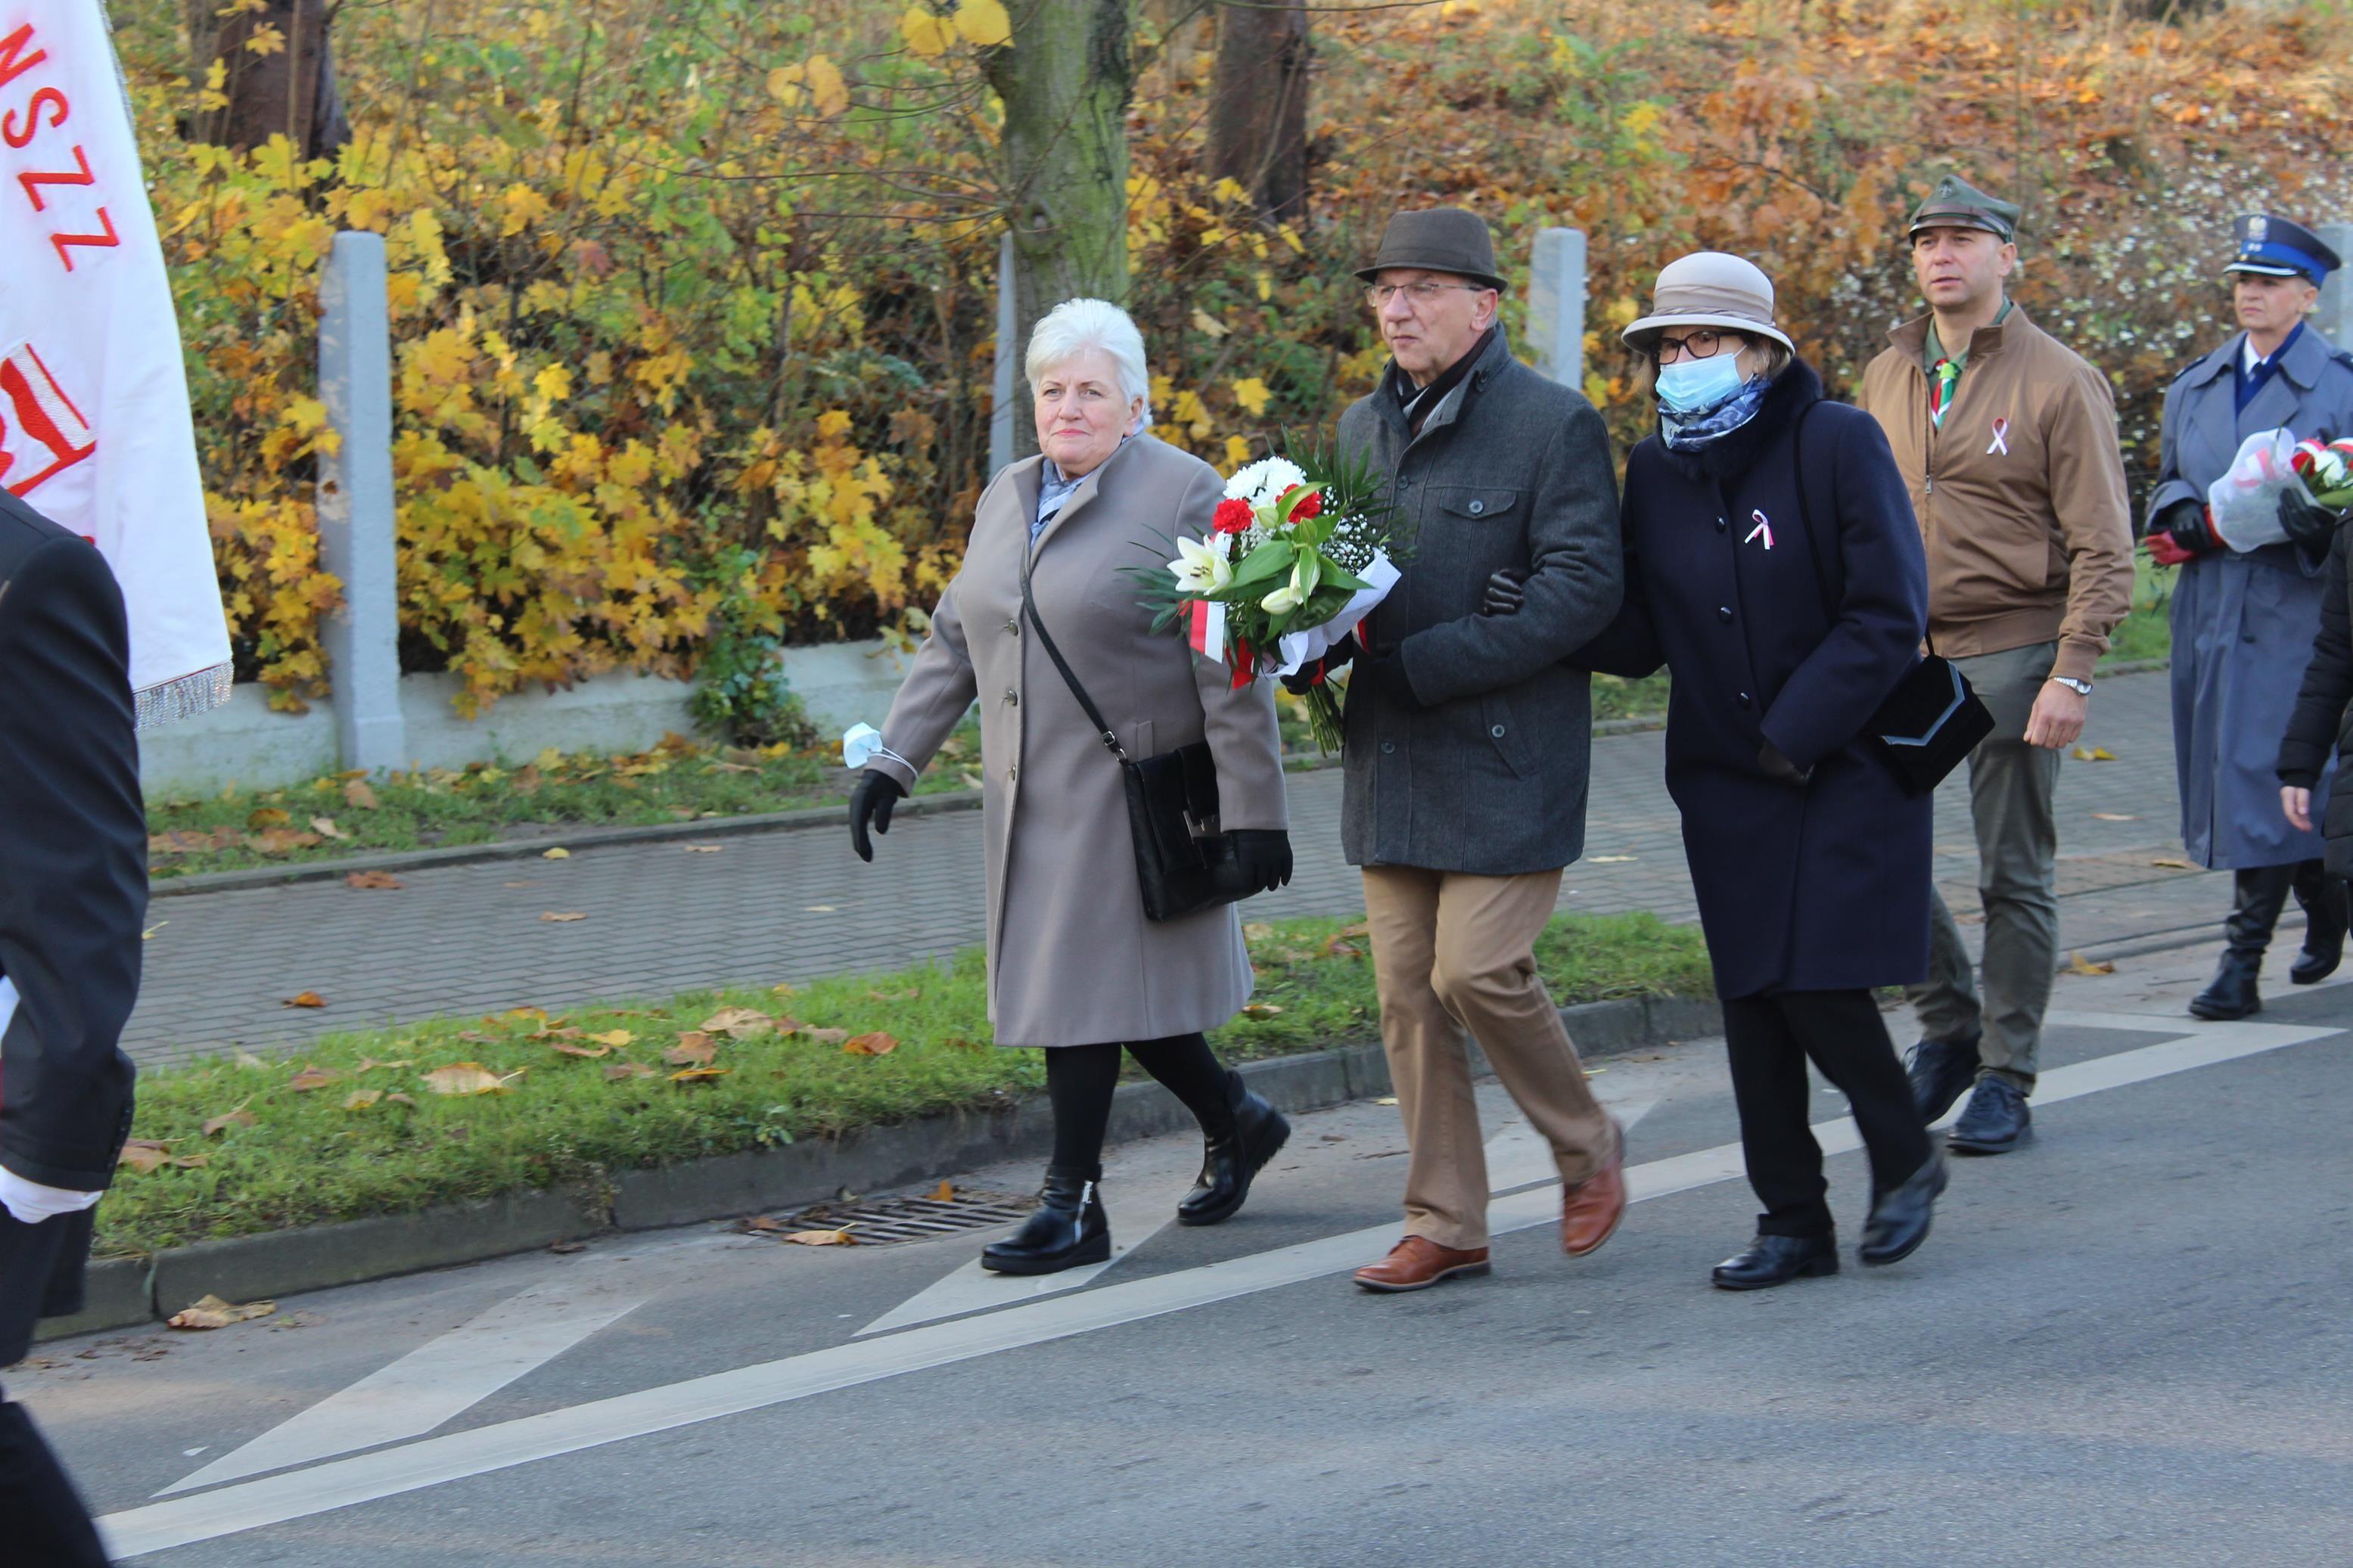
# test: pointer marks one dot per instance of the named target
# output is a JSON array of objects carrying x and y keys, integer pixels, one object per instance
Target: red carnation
[
  {"x": 1233, "y": 517},
  {"x": 1312, "y": 505}
]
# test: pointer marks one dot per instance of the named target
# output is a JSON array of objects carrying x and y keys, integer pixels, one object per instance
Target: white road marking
[
  {"x": 435, "y": 1462},
  {"x": 431, "y": 1384}
]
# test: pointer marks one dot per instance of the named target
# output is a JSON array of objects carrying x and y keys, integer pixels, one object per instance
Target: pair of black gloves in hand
[
  {"x": 2306, "y": 523},
  {"x": 1385, "y": 673},
  {"x": 1263, "y": 853}
]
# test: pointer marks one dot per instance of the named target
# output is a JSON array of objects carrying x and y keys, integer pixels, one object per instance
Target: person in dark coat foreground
[
  {"x": 73, "y": 888},
  {"x": 1810, "y": 862},
  {"x": 2320, "y": 728}
]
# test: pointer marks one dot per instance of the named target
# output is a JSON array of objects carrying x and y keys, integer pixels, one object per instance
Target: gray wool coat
[
  {"x": 1072, "y": 959},
  {"x": 2243, "y": 624},
  {"x": 1488, "y": 778}
]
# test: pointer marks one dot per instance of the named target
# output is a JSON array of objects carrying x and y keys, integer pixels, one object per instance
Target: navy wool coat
[{"x": 1815, "y": 887}]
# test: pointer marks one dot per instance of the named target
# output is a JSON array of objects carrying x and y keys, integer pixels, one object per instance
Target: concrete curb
[{"x": 134, "y": 1292}]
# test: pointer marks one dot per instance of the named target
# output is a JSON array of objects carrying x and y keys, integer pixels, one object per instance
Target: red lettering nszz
[
  {"x": 98, "y": 241},
  {"x": 12, "y": 47},
  {"x": 33, "y": 178},
  {"x": 19, "y": 136}
]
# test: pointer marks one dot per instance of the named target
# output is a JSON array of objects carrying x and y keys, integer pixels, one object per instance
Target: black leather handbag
[
  {"x": 1931, "y": 721},
  {"x": 1183, "y": 863}
]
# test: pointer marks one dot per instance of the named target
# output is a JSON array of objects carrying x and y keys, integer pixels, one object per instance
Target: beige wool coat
[{"x": 1072, "y": 959}]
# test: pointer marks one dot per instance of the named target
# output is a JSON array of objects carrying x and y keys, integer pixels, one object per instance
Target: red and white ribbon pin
[
  {"x": 1763, "y": 527},
  {"x": 2001, "y": 438}
]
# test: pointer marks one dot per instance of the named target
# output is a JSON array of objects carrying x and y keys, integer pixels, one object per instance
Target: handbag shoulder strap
[
  {"x": 1805, "y": 516},
  {"x": 1104, "y": 732}
]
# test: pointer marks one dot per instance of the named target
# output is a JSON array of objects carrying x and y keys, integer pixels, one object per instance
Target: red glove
[{"x": 2165, "y": 552}]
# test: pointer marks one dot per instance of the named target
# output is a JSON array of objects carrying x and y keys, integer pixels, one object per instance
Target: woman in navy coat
[{"x": 1811, "y": 863}]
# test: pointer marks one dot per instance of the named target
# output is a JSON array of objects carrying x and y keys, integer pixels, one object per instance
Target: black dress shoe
[
  {"x": 1068, "y": 1228},
  {"x": 1899, "y": 1220},
  {"x": 1995, "y": 1120},
  {"x": 1776, "y": 1260},
  {"x": 1231, "y": 1158},
  {"x": 2231, "y": 993},
  {"x": 1941, "y": 1071},
  {"x": 2326, "y": 918}
]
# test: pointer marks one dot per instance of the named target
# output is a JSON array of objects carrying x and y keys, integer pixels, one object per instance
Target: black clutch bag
[
  {"x": 1183, "y": 863},
  {"x": 1931, "y": 721}
]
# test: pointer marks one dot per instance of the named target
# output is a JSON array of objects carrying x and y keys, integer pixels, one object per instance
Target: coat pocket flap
[{"x": 1478, "y": 502}]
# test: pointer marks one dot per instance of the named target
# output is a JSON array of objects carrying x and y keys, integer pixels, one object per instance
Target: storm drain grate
[{"x": 885, "y": 1220}]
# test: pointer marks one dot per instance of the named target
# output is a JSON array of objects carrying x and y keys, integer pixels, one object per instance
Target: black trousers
[
  {"x": 42, "y": 1516},
  {"x": 1080, "y": 1081},
  {"x": 1769, "y": 1040}
]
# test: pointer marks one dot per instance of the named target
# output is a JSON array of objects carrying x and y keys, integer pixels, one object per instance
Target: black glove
[
  {"x": 2186, "y": 522},
  {"x": 1310, "y": 676},
  {"x": 1385, "y": 679},
  {"x": 872, "y": 802},
  {"x": 2307, "y": 523},
  {"x": 1264, "y": 854},
  {"x": 1776, "y": 765},
  {"x": 1504, "y": 594}
]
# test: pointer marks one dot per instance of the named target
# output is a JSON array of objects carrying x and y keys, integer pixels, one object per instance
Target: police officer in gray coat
[{"x": 2243, "y": 623}]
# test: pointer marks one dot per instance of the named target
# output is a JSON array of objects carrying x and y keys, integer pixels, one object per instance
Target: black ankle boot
[
  {"x": 1069, "y": 1227},
  {"x": 2326, "y": 918},
  {"x": 2256, "y": 897},
  {"x": 1254, "y": 1133}
]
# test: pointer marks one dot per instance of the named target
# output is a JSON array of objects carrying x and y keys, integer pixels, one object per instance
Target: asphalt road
[{"x": 2125, "y": 1344}]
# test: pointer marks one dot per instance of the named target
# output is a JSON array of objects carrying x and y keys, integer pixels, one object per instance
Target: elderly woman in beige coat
[{"x": 1073, "y": 964}]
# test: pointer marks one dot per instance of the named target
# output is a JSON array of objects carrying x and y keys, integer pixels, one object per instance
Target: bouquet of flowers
[
  {"x": 1298, "y": 554},
  {"x": 2326, "y": 469}
]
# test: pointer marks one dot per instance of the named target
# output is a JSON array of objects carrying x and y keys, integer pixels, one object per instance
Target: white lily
[
  {"x": 1201, "y": 568},
  {"x": 1294, "y": 594}
]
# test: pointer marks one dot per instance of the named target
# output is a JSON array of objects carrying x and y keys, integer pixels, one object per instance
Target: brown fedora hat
[{"x": 1438, "y": 239}]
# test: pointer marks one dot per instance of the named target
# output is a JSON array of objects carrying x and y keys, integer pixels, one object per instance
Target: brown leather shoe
[
  {"x": 1416, "y": 1263},
  {"x": 1589, "y": 1211}
]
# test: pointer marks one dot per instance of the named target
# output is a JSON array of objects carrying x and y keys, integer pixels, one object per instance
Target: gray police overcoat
[
  {"x": 1072, "y": 959},
  {"x": 2243, "y": 624},
  {"x": 1489, "y": 775}
]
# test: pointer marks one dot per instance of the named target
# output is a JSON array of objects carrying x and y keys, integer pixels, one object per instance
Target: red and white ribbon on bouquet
[{"x": 95, "y": 430}]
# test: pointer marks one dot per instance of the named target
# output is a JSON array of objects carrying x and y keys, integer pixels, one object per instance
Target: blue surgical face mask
[{"x": 1688, "y": 385}]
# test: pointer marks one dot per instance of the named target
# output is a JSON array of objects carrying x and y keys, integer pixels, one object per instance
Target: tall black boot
[
  {"x": 2327, "y": 915},
  {"x": 1254, "y": 1133},
  {"x": 1068, "y": 1228},
  {"x": 2258, "y": 893}
]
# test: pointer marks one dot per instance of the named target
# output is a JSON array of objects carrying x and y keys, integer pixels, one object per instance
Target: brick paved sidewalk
[{"x": 790, "y": 905}]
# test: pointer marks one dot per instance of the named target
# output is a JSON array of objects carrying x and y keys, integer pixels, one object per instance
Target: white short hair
[{"x": 1074, "y": 327}]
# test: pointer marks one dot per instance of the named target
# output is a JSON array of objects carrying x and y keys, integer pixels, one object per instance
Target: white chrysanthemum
[{"x": 1259, "y": 482}]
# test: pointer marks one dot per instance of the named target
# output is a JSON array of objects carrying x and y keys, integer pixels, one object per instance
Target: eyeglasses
[
  {"x": 1417, "y": 294},
  {"x": 1700, "y": 345}
]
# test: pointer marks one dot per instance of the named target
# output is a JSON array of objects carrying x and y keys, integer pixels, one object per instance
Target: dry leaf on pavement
[
  {"x": 704, "y": 848},
  {"x": 219, "y": 1124},
  {"x": 1261, "y": 1010},
  {"x": 358, "y": 796},
  {"x": 372, "y": 880},
  {"x": 2173, "y": 863},
  {"x": 311, "y": 1078},
  {"x": 561, "y": 918},
  {"x": 2093, "y": 754},
  {"x": 694, "y": 1048},
  {"x": 212, "y": 1312},
  {"x": 558, "y": 853},
  {"x": 305, "y": 999},
  {"x": 945, "y": 1193},
  {"x": 823, "y": 1238},
  {"x": 466, "y": 1077},
  {"x": 2078, "y": 964},
  {"x": 876, "y": 1044}
]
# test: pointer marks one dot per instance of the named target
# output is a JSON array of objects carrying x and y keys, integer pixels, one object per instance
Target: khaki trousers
[{"x": 1454, "y": 952}]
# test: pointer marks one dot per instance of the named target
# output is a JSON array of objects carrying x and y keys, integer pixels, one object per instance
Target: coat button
[
  {"x": 1013, "y": 774},
  {"x": 1477, "y": 507},
  {"x": 1721, "y": 525},
  {"x": 1013, "y": 628},
  {"x": 1387, "y": 746},
  {"x": 1742, "y": 699},
  {"x": 1724, "y": 614},
  {"x": 1498, "y": 731},
  {"x": 1012, "y": 698}
]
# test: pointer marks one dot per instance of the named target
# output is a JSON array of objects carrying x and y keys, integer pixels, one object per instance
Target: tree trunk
[
  {"x": 1258, "y": 108},
  {"x": 289, "y": 91},
  {"x": 1065, "y": 82}
]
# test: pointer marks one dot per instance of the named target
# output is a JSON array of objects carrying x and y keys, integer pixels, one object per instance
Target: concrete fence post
[
  {"x": 1000, "y": 408},
  {"x": 355, "y": 506},
  {"x": 2336, "y": 315},
  {"x": 1556, "y": 306}
]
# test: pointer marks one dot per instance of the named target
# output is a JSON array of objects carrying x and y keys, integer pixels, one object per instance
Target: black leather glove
[
  {"x": 1264, "y": 854},
  {"x": 1505, "y": 597},
  {"x": 872, "y": 802},
  {"x": 1776, "y": 765},
  {"x": 1309, "y": 675},
  {"x": 2308, "y": 524},
  {"x": 2185, "y": 521},
  {"x": 1385, "y": 677}
]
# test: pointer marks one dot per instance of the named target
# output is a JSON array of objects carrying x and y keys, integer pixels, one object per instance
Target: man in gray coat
[{"x": 1467, "y": 738}]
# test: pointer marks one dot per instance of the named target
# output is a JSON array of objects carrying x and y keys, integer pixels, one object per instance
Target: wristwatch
[{"x": 2081, "y": 687}]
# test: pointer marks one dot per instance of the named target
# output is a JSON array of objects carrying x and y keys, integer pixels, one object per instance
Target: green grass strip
[{"x": 287, "y": 1154}]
